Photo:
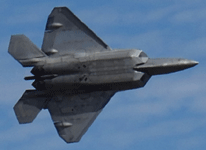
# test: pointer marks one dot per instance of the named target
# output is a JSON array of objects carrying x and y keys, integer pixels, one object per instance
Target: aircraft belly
[
  {"x": 115, "y": 74},
  {"x": 123, "y": 81}
]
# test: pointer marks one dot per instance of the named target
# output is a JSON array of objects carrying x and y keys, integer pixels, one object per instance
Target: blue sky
[{"x": 168, "y": 113}]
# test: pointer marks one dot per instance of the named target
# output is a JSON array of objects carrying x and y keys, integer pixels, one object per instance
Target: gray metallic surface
[
  {"x": 165, "y": 65},
  {"x": 65, "y": 33},
  {"x": 73, "y": 114},
  {"x": 29, "y": 105},
  {"x": 76, "y": 73},
  {"x": 24, "y": 51}
]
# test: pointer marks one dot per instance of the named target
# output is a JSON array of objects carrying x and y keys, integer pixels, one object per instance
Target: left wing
[
  {"x": 65, "y": 34},
  {"x": 73, "y": 114}
]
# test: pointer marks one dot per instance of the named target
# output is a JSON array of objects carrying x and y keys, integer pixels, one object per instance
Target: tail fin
[
  {"x": 24, "y": 51},
  {"x": 29, "y": 105}
]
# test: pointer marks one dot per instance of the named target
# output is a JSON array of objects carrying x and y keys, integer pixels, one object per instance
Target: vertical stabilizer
[{"x": 24, "y": 51}]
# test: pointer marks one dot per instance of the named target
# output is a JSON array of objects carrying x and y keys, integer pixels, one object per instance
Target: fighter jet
[{"x": 75, "y": 73}]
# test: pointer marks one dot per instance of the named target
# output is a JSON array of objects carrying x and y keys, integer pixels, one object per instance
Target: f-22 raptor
[{"x": 75, "y": 73}]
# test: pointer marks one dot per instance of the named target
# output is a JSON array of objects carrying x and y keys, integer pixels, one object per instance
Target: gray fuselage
[{"x": 111, "y": 70}]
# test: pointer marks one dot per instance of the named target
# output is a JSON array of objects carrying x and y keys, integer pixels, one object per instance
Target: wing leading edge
[
  {"x": 66, "y": 34},
  {"x": 73, "y": 115}
]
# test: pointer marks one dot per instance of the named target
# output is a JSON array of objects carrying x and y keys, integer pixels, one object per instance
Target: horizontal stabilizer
[
  {"x": 24, "y": 51},
  {"x": 29, "y": 105}
]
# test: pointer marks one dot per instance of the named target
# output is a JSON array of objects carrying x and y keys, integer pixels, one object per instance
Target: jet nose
[
  {"x": 187, "y": 63},
  {"x": 165, "y": 65}
]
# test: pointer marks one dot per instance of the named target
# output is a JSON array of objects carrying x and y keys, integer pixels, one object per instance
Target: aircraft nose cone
[
  {"x": 165, "y": 65},
  {"x": 188, "y": 63},
  {"x": 182, "y": 64}
]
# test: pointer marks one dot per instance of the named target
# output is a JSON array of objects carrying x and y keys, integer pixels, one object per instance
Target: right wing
[
  {"x": 73, "y": 115},
  {"x": 66, "y": 34}
]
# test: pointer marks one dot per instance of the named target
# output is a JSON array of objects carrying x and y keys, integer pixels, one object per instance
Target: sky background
[{"x": 168, "y": 113}]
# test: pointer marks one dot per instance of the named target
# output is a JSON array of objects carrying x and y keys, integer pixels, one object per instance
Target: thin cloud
[
  {"x": 190, "y": 143},
  {"x": 189, "y": 16},
  {"x": 28, "y": 14}
]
